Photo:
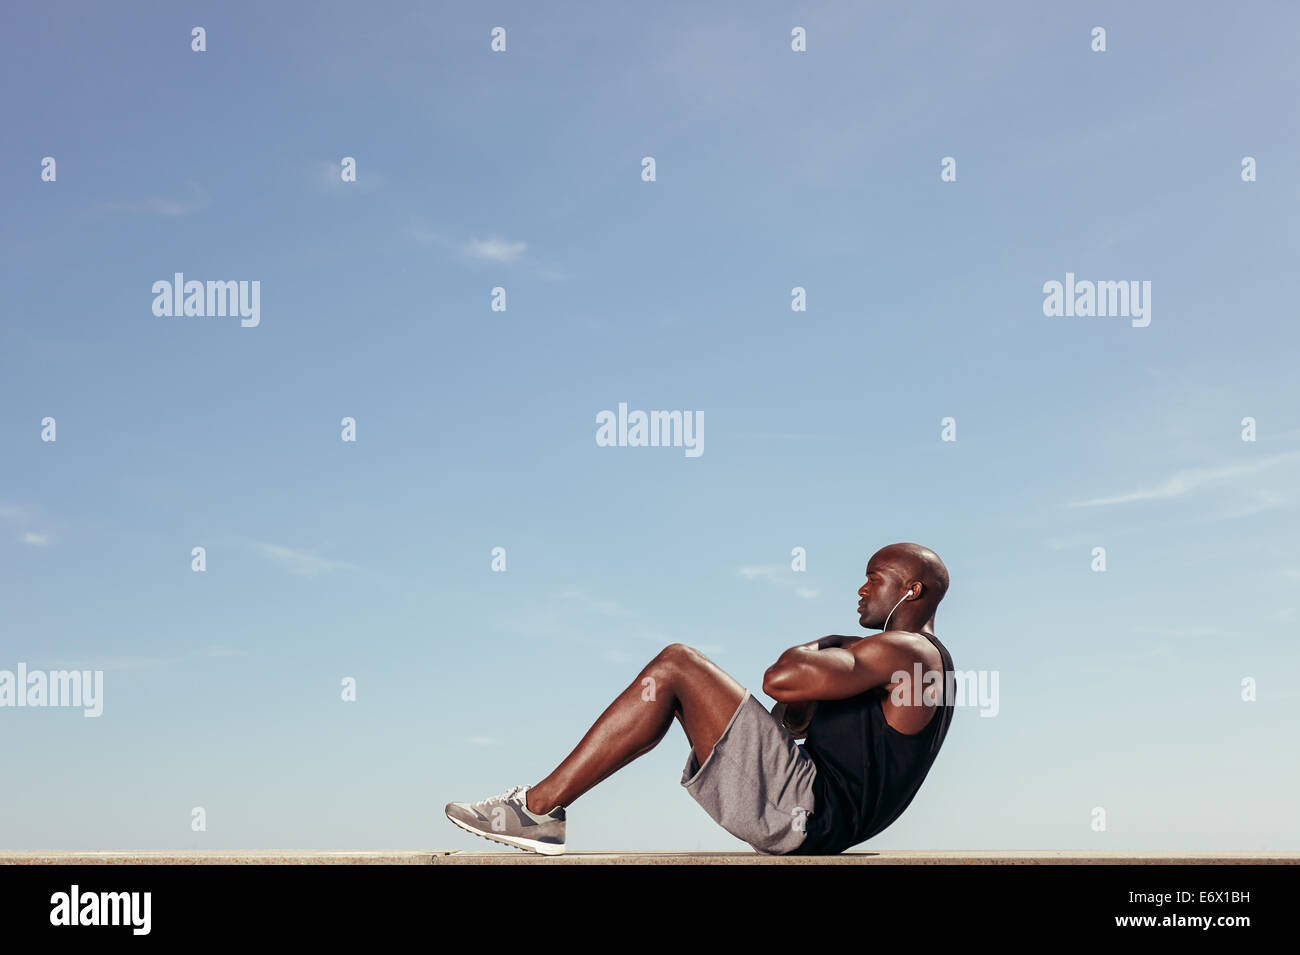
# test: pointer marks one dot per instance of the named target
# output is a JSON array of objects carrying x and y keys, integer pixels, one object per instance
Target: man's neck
[{"x": 913, "y": 625}]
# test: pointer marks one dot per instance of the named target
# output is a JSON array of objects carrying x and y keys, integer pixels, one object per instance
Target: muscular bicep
[{"x": 836, "y": 673}]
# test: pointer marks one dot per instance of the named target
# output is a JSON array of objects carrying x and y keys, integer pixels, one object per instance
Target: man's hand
[
  {"x": 795, "y": 717},
  {"x": 798, "y": 716}
]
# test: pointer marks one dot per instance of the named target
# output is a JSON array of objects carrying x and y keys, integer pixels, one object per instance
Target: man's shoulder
[{"x": 916, "y": 645}]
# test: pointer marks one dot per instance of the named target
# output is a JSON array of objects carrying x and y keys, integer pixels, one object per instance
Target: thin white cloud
[
  {"x": 13, "y": 514},
  {"x": 780, "y": 576},
  {"x": 161, "y": 206},
  {"x": 301, "y": 562},
  {"x": 1185, "y": 482},
  {"x": 494, "y": 250}
]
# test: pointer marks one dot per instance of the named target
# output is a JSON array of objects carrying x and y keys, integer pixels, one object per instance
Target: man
[{"x": 872, "y": 732}]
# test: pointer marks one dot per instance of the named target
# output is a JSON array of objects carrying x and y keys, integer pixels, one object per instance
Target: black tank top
[{"x": 867, "y": 771}]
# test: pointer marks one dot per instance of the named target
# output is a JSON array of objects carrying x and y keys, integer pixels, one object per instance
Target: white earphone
[{"x": 891, "y": 613}]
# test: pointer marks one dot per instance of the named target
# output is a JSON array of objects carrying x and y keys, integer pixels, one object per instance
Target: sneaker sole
[{"x": 528, "y": 845}]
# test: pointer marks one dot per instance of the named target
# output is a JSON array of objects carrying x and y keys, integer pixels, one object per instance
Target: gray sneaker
[{"x": 506, "y": 819}]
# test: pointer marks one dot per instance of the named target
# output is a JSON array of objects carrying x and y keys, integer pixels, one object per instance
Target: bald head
[
  {"x": 905, "y": 583},
  {"x": 912, "y": 562}
]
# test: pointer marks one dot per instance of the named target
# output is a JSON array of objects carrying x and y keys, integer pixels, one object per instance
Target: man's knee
[
  {"x": 671, "y": 669},
  {"x": 673, "y": 662},
  {"x": 679, "y": 655}
]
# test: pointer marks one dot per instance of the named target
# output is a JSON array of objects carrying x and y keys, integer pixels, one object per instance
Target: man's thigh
[{"x": 707, "y": 698}]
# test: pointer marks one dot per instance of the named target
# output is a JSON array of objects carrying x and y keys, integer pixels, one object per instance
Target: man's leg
[{"x": 680, "y": 682}]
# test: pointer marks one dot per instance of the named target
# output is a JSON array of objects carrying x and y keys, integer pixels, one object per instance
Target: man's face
[{"x": 874, "y": 601}]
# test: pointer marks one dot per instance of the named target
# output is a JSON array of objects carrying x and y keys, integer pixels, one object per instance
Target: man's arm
[
  {"x": 795, "y": 716},
  {"x": 835, "y": 672}
]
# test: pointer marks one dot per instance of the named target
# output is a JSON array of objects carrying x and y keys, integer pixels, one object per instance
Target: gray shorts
[{"x": 757, "y": 783}]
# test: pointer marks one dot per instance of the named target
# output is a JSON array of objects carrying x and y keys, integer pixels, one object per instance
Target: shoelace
[{"x": 507, "y": 795}]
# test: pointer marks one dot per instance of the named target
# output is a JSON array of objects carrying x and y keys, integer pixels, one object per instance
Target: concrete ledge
[
  {"x": 872, "y": 858},
  {"x": 216, "y": 857},
  {"x": 451, "y": 857}
]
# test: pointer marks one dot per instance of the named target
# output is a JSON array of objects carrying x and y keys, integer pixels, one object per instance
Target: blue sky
[{"x": 475, "y": 428}]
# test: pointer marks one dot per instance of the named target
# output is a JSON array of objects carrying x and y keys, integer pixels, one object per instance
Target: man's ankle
[{"x": 531, "y": 801}]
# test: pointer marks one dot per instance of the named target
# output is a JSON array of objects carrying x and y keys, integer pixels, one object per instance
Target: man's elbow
[{"x": 776, "y": 684}]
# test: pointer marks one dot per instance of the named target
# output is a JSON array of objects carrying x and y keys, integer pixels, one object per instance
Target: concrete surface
[
  {"x": 515, "y": 857},
  {"x": 216, "y": 857}
]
